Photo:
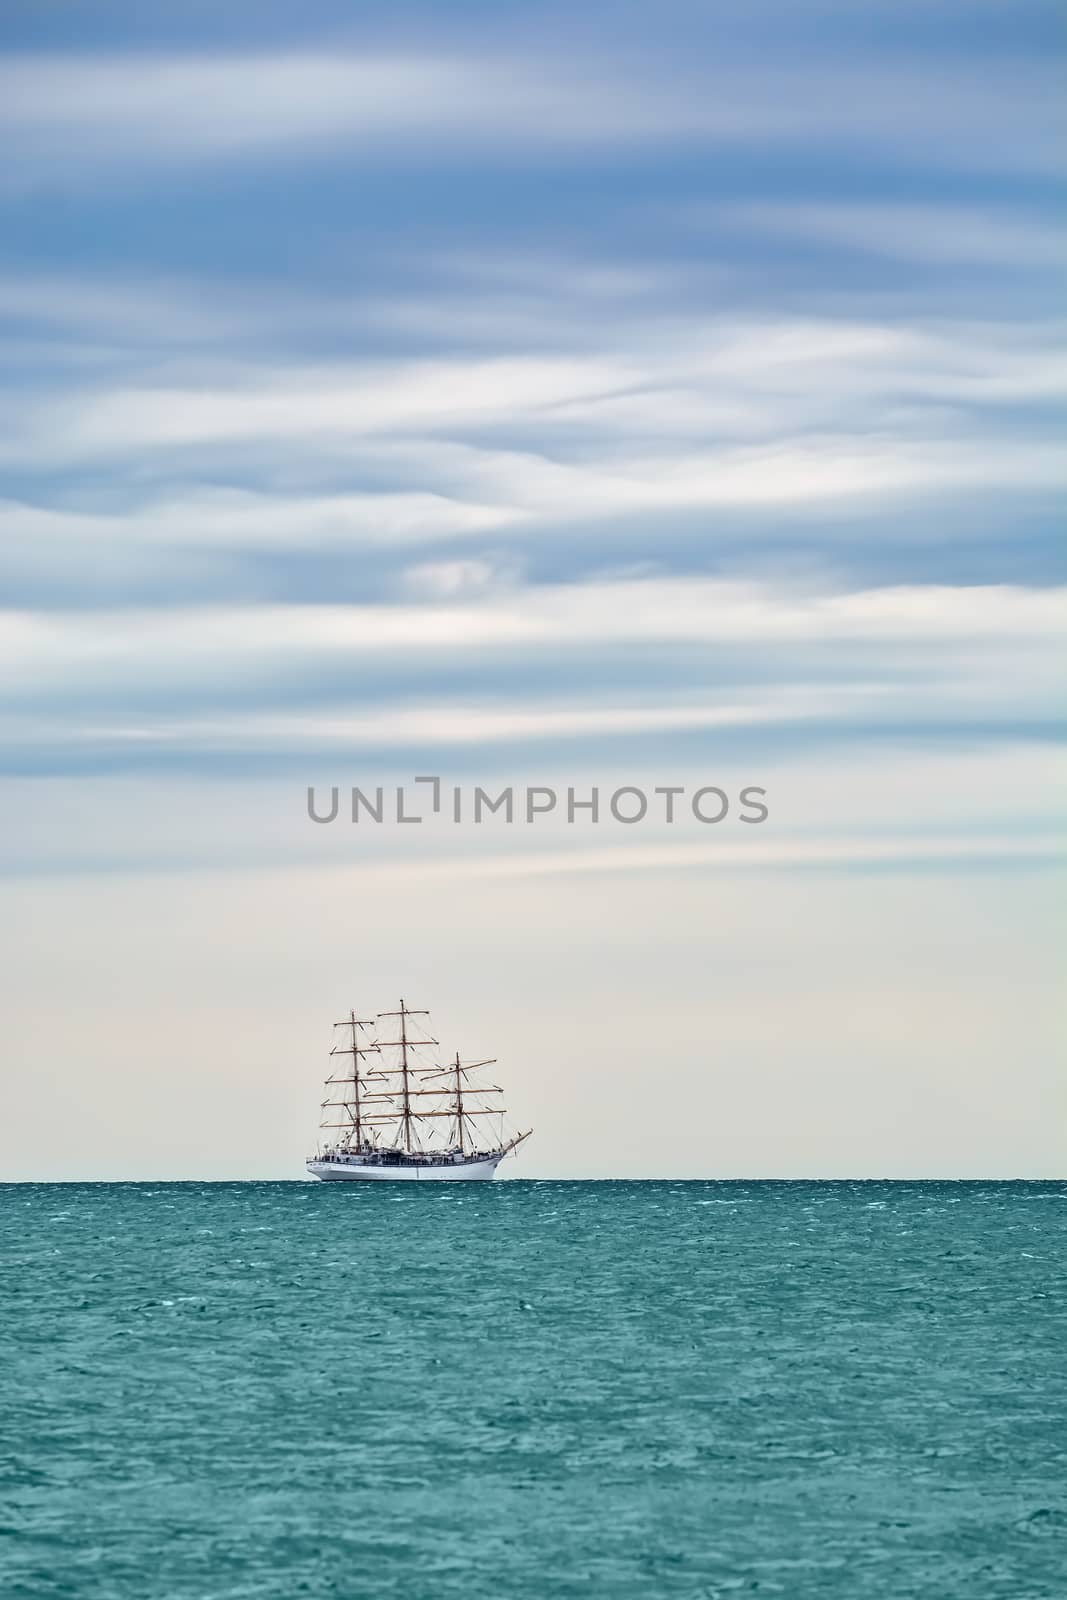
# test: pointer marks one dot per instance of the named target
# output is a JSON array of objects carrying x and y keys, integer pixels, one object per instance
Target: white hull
[{"x": 437, "y": 1172}]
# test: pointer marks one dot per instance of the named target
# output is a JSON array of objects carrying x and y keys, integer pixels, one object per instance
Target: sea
[{"x": 529, "y": 1390}]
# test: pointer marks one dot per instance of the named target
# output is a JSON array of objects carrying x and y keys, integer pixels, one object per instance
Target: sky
[{"x": 545, "y": 396}]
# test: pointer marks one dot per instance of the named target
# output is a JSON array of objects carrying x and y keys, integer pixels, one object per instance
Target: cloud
[
  {"x": 943, "y": 234},
  {"x": 204, "y": 106},
  {"x": 677, "y": 438},
  {"x": 748, "y": 854},
  {"x": 430, "y": 727},
  {"x": 132, "y": 109},
  {"x": 267, "y": 684},
  {"x": 649, "y": 610},
  {"x": 229, "y": 519},
  {"x": 725, "y": 412}
]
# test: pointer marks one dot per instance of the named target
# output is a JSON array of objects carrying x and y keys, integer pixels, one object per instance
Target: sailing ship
[{"x": 392, "y": 1114}]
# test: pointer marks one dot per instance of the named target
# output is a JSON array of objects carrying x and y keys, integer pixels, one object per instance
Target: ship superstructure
[{"x": 395, "y": 1111}]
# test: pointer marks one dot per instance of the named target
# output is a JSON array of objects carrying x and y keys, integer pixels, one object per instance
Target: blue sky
[{"x": 525, "y": 393}]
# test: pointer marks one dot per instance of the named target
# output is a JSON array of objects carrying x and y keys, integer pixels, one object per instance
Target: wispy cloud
[
  {"x": 638, "y": 610},
  {"x": 272, "y": 682},
  {"x": 944, "y": 234},
  {"x": 721, "y": 412},
  {"x": 133, "y": 109}
]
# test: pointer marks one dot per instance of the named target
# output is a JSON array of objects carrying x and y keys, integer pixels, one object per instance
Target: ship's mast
[
  {"x": 405, "y": 1076},
  {"x": 458, "y": 1072},
  {"x": 405, "y": 1069},
  {"x": 353, "y": 1106},
  {"x": 459, "y": 1102}
]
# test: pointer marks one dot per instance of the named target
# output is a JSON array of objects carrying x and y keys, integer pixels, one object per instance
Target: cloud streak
[
  {"x": 940, "y": 235},
  {"x": 130, "y": 110},
  {"x": 196, "y": 685}
]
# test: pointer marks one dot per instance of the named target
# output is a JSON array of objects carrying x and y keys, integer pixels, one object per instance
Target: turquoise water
[{"x": 533, "y": 1390}]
